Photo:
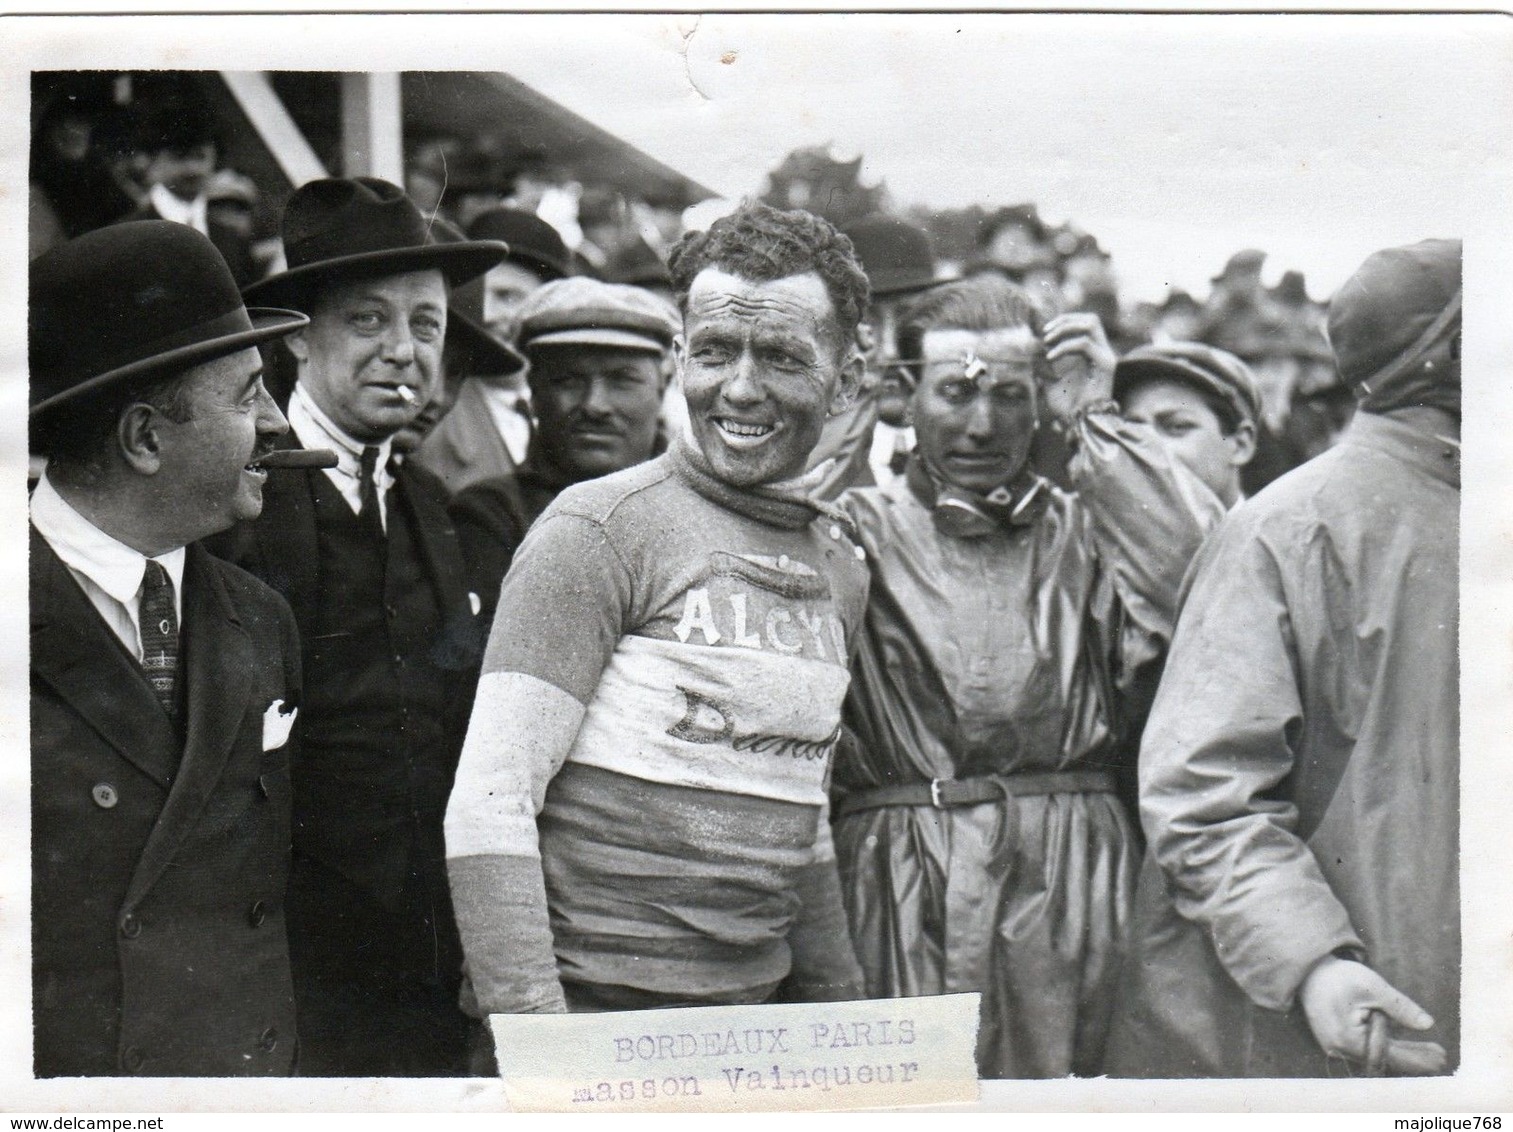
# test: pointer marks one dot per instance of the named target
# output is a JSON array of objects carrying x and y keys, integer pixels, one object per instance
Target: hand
[
  {"x": 1338, "y": 996},
  {"x": 1082, "y": 360}
]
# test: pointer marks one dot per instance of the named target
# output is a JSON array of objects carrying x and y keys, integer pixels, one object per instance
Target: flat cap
[
  {"x": 587, "y": 312},
  {"x": 1397, "y": 305},
  {"x": 1208, "y": 368}
]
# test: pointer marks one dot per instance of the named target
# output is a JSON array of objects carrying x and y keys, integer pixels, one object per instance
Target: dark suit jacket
[
  {"x": 235, "y": 248},
  {"x": 282, "y": 548},
  {"x": 158, "y": 941}
]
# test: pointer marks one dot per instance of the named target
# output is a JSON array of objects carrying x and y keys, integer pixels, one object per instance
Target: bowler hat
[
  {"x": 1207, "y": 368},
  {"x": 896, "y": 256},
  {"x": 586, "y": 312},
  {"x": 359, "y": 227},
  {"x": 533, "y": 242},
  {"x": 132, "y": 302},
  {"x": 489, "y": 356}
]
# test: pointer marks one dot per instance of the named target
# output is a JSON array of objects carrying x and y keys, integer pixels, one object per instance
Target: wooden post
[{"x": 372, "y": 126}]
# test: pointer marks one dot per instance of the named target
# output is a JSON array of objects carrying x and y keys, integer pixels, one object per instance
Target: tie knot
[
  {"x": 369, "y": 461},
  {"x": 155, "y": 577}
]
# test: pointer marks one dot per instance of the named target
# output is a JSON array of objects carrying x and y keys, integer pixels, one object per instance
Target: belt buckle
[{"x": 935, "y": 798}]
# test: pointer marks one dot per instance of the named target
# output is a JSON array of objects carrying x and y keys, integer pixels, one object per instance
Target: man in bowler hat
[
  {"x": 370, "y": 563},
  {"x": 164, "y": 682}
]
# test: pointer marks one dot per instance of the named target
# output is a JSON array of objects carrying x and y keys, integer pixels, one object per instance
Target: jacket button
[
  {"x": 131, "y": 1059},
  {"x": 105, "y": 795},
  {"x": 257, "y": 914},
  {"x": 131, "y": 927},
  {"x": 268, "y": 1041},
  {"x": 262, "y": 784}
]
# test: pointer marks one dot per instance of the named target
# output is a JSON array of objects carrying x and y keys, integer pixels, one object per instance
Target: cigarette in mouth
[{"x": 406, "y": 394}]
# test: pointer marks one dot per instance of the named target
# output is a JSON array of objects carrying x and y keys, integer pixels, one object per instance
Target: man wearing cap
[
  {"x": 370, "y": 564},
  {"x": 597, "y": 353},
  {"x": 1201, "y": 402},
  {"x": 639, "y": 818},
  {"x": 164, "y": 681},
  {"x": 1010, "y": 627},
  {"x": 1299, "y": 911},
  {"x": 489, "y": 432}
]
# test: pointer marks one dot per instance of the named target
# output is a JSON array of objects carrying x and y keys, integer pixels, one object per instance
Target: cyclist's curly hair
[{"x": 762, "y": 243}]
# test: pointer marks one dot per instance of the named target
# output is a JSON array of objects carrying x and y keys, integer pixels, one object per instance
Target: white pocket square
[
  {"x": 277, "y": 725},
  {"x": 475, "y": 602}
]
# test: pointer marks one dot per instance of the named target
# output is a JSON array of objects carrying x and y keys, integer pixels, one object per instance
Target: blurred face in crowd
[
  {"x": 893, "y": 385},
  {"x": 975, "y": 410},
  {"x": 763, "y": 365},
  {"x": 183, "y": 172},
  {"x": 456, "y": 367},
  {"x": 1014, "y": 246},
  {"x": 1190, "y": 429},
  {"x": 505, "y": 287},
  {"x": 368, "y": 339},
  {"x": 596, "y": 406},
  {"x": 1276, "y": 377},
  {"x": 203, "y": 460}
]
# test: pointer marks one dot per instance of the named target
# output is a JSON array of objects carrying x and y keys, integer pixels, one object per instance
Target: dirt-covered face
[{"x": 763, "y": 365}]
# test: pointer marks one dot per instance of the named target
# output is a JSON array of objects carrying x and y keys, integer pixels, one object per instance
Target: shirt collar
[
  {"x": 170, "y": 207},
  {"x": 1436, "y": 456},
  {"x": 107, "y": 562},
  {"x": 316, "y": 430}
]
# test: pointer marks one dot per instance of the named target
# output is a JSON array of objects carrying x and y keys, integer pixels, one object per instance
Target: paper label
[{"x": 777, "y": 1057}]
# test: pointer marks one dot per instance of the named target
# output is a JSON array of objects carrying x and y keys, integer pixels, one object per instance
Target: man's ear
[
  {"x": 853, "y": 368},
  {"x": 1242, "y": 444},
  {"x": 679, "y": 354},
  {"x": 137, "y": 438}
]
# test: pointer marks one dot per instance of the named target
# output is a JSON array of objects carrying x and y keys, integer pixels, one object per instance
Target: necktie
[
  {"x": 159, "y": 624},
  {"x": 367, "y": 492}
]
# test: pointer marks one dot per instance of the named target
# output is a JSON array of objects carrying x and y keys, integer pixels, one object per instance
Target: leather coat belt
[{"x": 952, "y": 793}]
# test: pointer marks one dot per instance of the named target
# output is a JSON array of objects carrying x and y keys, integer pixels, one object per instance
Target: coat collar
[{"x": 1437, "y": 457}]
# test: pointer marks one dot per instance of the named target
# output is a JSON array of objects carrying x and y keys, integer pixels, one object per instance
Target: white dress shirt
[
  {"x": 191, "y": 212},
  {"x": 315, "y": 430},
  {"x": 509, "y": 409},
  {"x": 109, "y": 571}
]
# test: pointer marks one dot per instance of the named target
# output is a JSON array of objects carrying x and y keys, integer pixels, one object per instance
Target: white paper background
[{"x": 1176, "y": 139}]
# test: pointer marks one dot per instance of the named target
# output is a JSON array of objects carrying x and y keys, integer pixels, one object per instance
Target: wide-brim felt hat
[
  {"x": 1215, "y": 371},
  {"x": 489, "y": 356},
  {"x": 341, "y": 228},
  {"x": 131, "y": 303}
]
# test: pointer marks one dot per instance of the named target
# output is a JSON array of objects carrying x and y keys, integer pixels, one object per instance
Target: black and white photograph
[{"x": 744, "y": 529}]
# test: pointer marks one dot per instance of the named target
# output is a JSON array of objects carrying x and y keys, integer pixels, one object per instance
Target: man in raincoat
[
  {"x": 1299, "y": 775},
  {"x": 1010, "y": 625}
]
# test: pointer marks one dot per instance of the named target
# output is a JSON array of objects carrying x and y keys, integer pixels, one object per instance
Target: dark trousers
[{"x": 375, "y": 989}]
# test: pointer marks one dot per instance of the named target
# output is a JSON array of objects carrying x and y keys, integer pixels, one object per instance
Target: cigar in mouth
[{"x": 297, "y": 458}]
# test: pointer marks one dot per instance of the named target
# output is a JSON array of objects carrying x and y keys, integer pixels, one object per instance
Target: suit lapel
[
  {"x": 77, "y": 655},
  {"x": 432, "y": 530},
  {"x": 218, "y": 665},
  {"x": 286, "y": 538}
]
